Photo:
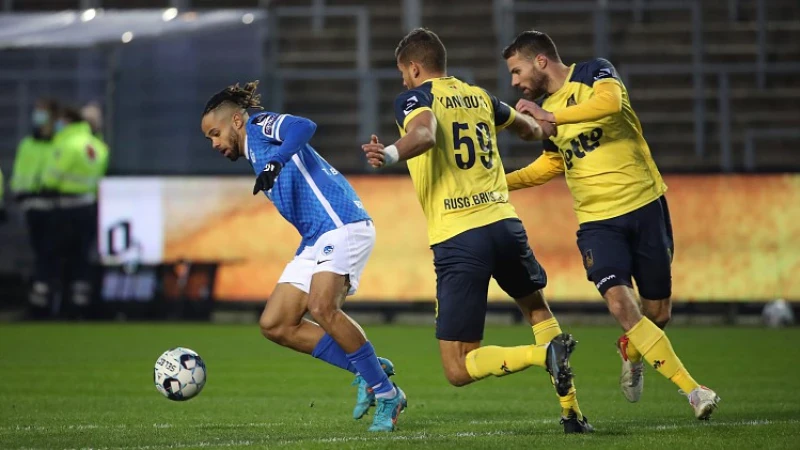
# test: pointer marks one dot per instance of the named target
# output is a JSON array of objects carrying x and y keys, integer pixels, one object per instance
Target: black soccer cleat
[
  {"x": 557, "y": 362},
  {"x": 573, "y": 425}
]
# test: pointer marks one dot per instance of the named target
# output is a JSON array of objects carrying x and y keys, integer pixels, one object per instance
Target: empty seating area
[{"x": 637, "y": 45}]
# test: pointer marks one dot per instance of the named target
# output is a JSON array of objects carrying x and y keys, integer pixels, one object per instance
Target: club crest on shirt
[
  {"x": 571, "y": 101},
  {"x": 327, "y": 250}
]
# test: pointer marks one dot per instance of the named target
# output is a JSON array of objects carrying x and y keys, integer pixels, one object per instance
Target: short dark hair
[
  {"x": 70, "y": 113},
  {"x": 243, "y": 97},
  {"x": 50, "y": 104},
  {"x": 423, "y": 46},
  {"x": 532, "y": 43}
]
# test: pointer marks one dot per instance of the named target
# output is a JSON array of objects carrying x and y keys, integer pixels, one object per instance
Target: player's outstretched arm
[
  {"x": 529, "y": 129},
  {"x": 607, "y": 100},
  {"x": 420, "y": 137},
  {"x": 539, "y": 172},
  {"x": 292, "y": 133}
]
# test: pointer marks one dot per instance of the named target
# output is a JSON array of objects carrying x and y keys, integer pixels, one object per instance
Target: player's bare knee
[
  {"x": 273, "y": 330},
  {"x": 658, "y": 311},
  {"x": 457, "y": 376},
  {"x": 322, "y": 310},
  {"x": 662, "y": 322}
]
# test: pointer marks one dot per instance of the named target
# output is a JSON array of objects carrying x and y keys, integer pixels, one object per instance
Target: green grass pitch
[{"x": 90, "y": 386}]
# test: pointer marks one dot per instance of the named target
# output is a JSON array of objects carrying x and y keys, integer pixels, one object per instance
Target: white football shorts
[{"x": 343, "y": 251}]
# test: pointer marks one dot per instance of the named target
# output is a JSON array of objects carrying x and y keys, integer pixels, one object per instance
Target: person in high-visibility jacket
[
  {"x": 79, "y": 162},
  {"x": 33, "y": 153},
  {"x": 2, "y": 204}
]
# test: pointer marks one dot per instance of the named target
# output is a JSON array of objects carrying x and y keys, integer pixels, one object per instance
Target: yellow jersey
[
  {"x": 460, "y": 183},
  {"x": 607, "y": 162}
]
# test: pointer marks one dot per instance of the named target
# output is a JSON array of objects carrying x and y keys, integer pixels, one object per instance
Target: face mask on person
[{"x": 40, "y": 118}]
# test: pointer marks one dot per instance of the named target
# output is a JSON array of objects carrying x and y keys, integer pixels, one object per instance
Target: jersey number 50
[{"x": 484, "y": 136}]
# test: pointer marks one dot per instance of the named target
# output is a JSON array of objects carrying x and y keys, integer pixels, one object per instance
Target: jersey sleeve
[
  {"x": 503, "y": 114},
  {"x": 540, "y": 171},
  {"x": 411, "y": 103},
  {"x": 270, "y": 125},
  {"x": 601, "y": 69},
  {"x": 290, "y": 133}
]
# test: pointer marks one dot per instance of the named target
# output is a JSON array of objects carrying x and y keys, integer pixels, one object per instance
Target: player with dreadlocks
[{"x": 337, "y": 239}]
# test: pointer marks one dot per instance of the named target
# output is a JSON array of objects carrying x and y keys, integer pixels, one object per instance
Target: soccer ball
[
  {"x": 179, "y": 374},
  {"x": 777, "y": 314}
]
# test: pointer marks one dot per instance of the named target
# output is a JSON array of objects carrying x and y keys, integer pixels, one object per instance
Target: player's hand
[
  {"x": 532, "y": 109},
  {"x": 374, "y": 151},
  {"x": 549, "y": 129},
  {"x": 266, "y": 179}
]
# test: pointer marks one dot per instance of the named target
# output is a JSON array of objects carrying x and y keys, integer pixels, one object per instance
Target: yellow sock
[
  {"x": 631, "y": 351},
  {"x": 544, "y": 332},
  {"x": 657, "y": 350},
  {"x": 501, "y": 361}
]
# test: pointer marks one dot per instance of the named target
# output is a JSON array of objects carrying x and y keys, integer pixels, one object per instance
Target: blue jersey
[{"x": 308, "y": 192}]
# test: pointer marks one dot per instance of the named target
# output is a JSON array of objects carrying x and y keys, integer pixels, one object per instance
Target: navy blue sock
[
  {"x": 367, "y": 365},
  {"x": 329, "y": 351}
]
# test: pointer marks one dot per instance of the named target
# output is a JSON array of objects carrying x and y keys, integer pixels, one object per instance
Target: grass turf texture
[{"x": 78, "y": 386}]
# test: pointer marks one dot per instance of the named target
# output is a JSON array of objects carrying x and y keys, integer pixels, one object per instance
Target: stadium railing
[
  {"x": 723, "y": 73},
  {"x": 506, "y": 12}
]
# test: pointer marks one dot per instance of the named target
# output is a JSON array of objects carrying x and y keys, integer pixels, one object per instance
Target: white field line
[{"x": 417, "y": 436}]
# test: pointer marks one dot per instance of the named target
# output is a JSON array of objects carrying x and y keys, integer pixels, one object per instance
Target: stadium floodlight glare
[
  {"x": 88, "y": 15},
  {"x": 248, "y": 18},
  {"x": 169, "y": 14},
  {"x": 127, "y": 37}
]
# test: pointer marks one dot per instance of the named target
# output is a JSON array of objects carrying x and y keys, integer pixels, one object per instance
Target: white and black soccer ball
[
  {"x": 179, "y": 374},
  {"x": 778, "y": 313}
]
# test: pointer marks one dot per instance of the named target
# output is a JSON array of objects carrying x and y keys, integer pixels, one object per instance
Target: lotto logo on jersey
[{"x": 582, "y": 145}]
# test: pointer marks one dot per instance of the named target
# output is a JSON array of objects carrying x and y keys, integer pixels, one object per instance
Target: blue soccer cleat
[
  {"x": 388, "y": 411},
  {"x": 365, "y": 397}
]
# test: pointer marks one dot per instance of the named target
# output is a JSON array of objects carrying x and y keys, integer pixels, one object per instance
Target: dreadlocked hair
[{"x": 243, "y": 97}]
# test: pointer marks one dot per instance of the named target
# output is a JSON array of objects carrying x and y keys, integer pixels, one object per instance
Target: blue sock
[
  {"x": 367, "y": 365},
  {"x": 329, "y": 351}
]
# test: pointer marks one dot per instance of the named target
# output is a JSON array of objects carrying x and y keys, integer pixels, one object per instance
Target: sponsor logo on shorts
[
  {"x": 605, "y": 280},
  {"x": 588, "y": 258}
]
